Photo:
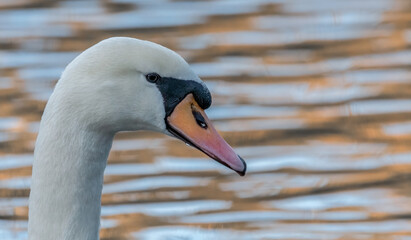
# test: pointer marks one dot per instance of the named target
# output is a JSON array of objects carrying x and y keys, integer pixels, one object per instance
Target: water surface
[{"x": 315, "y": 95}]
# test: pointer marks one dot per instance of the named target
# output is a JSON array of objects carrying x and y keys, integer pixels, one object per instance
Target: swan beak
[{"x": 189, "y": 123}]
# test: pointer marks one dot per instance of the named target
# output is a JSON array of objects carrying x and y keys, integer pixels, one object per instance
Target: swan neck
[{"x": 67, "y": 179}]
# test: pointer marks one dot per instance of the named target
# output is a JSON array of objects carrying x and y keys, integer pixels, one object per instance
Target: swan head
[{"x": 126, "y": 84}]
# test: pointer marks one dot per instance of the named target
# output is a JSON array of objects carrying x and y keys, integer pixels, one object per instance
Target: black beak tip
[{"x": 242, "y": 173}]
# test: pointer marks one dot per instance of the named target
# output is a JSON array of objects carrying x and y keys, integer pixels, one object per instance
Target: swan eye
[{"x": 152, "y": 77}]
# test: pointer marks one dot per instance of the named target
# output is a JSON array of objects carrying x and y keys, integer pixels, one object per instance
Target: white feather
[{"x": 101, "y": 92}]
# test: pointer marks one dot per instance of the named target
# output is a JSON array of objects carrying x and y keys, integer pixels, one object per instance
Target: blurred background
[{"x": 315, "y": 95}]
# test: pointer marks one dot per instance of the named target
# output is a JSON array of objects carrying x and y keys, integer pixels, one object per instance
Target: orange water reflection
[{"x": 316, "y": 96}]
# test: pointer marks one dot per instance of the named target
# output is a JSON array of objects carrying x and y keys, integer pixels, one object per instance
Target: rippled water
[{"x": 315, "y": 95}]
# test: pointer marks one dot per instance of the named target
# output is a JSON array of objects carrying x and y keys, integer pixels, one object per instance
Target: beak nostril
[
  {"x": 199, "y": 119},
  {"x": 202, "y": 124}
]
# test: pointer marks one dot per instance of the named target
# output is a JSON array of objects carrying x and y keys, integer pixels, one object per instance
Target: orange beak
[{"x": 189, "y": 123}]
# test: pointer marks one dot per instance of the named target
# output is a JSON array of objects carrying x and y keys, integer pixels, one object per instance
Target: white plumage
[{"x": 101, "y": 92}]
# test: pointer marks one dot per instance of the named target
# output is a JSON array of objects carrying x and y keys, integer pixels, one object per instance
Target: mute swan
[{"x": 119, "y": 84}]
